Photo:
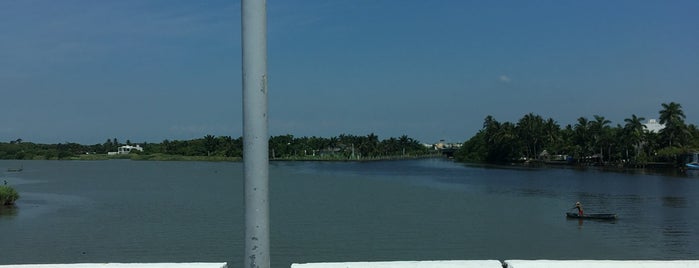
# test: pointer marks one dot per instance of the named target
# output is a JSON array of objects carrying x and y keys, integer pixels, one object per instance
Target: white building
[
  {"x": 126, "y": 149},
  {"x": 653, "y": 126}
]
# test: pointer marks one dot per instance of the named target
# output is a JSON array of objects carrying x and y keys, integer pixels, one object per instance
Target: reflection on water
[
  {"x": 676, "y": 230},
  {"x": 34, "y": 205},
  {"x": 7, "y": 211},
  {"x": 581, "y": 222},
  {"x": 677, "y": 237},
  {"x": 538, "y": 193},
  {"x": 674, "y": 202}
]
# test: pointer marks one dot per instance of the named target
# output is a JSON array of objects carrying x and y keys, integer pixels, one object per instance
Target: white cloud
[{"x": 504, "y": 78}]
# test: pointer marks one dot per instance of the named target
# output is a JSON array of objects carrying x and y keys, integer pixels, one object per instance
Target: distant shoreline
[{"x": 165, "y": 157}]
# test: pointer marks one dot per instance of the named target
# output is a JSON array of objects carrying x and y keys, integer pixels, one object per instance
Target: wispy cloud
[{"x": 504, "y": 78}]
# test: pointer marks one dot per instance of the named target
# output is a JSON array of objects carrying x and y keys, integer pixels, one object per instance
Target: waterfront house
[{"x": 126, "y": 149}]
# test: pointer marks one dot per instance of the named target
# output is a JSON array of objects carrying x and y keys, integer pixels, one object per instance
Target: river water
[{"x": 431, "y": 209}]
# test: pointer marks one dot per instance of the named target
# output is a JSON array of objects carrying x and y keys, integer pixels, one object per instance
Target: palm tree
[
  {"x": 404, "y": 141},
  {"x": 672, "y": 117},
  {"x": 490, "y": 128},
  {"x": 635, "y": 131},
  {"x": 504, "y": 146},
  {"x": 600, "y": 132},
  {"x": 567, "y": 140},
  {"x": 582, "y": 135},
  {"x": 333, "y": 142},
  {"x": 489, "y": 122},
  {"x": 210, "y": 144},
  {"x": 671, "y": 113},
  {"x": 368, "y": 146},
  {"x": 391, "y": 146},
  {"x": 530, "y": 130},
  {"x": 500, "y": 140},
  {"x": 652, "y": 145},
  {"x": 552, "y": 134}
]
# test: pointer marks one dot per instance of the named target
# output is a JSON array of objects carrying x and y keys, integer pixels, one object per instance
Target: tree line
[
  {"x": 592, "y": 140},
  {"x": 344, "y": 146}
]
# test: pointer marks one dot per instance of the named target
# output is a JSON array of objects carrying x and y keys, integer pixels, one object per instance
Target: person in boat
[{"x": 579, "y": 207}]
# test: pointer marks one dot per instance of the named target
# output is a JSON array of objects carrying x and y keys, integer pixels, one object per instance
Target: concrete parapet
[
  {"x": 404, "y": 264},
  {"x": 122, "y": 265},
  {"x": 600, "y": 264}
]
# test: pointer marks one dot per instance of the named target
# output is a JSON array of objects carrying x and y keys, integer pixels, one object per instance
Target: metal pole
[{"x": 255, "y": 138}]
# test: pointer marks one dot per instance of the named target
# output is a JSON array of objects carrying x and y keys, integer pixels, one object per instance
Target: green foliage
[
  {"x": 33, "y": 151},
  {"x": 344, "y": 147},
  {"x": 225, "y": 148},
  {"x": 588, "y": 141},
  {"x": 8, "y": 195},
  {"x": 675, "y": 130},
  {"x": 473, "y": 150}
]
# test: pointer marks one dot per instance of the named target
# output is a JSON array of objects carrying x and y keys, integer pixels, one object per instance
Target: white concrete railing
[
  {"x": 601, "y": 264},
  {"x": 122, "y": 265},
  {"x": 404, "y": 264},
  {"x": 508, "y": 264}
]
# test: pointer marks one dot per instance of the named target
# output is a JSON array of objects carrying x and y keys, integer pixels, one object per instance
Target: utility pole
[{"x": 255, "y": 138}]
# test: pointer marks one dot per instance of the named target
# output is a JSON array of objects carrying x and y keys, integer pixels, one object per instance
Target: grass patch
[
  {"x": 8, "y": 195},
  {"x": 156, "y": 157},
  {"x": 170, "y": 157}
]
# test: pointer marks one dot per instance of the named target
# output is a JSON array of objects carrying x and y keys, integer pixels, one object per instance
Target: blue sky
[{"x": 147, "y": 70}]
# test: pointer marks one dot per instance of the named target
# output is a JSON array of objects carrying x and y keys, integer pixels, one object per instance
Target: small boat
[
  {"x": 692, "y": 162},
  {"x": 598, "y": 216},
  {"x": 692, "y": 166}
]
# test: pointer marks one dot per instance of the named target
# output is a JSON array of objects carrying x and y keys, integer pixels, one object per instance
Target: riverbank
[
  {"x": 152, "y": 157},
  {"x": 615, "y": 166},
  {"x": 167, "y": 157}
]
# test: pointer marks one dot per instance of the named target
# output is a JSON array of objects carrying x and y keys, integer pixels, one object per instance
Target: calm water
[{"x": 131, "y": 211}]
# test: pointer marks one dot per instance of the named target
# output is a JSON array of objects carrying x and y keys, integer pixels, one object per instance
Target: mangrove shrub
[{"x": 8, "y": 195}]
